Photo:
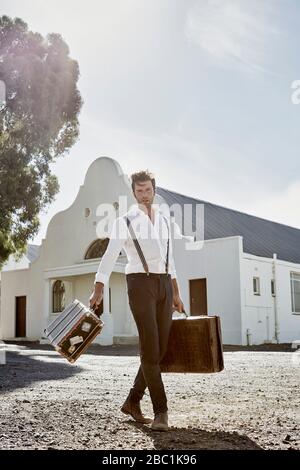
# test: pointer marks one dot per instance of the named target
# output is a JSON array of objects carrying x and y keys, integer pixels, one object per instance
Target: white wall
[
  {"x": 12, "y": 264},
  {"x": 17, "y": 283},
  {"x": 228, "y": 271},
  {"x": 219, "y": 262},
  {"x": 27, "y": 282},
  {"x": 70, "y": 232},
  {"x": 258, "y": 312},
  {"x": 82, "y": 288},
  {"x": 119, "y": 304},
  {"x": 289, "y": 323},
  {"x": 13, "y": 284},
  {"x": 68, "y": 236}
]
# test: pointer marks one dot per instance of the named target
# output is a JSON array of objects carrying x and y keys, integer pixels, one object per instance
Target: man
[{"x": 152, "y": 290}]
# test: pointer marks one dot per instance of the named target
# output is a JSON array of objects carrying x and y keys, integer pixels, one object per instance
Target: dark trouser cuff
[{"x": 135, "y": 395}]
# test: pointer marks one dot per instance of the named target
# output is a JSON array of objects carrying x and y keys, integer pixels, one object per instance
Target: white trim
[
  {"x": 292, "y": 279},
  {"x": 257, "y": 290},
  {"x": 273, "y": 294},
  {"x": 106, "y": 337},
  {"x": 213, "y": 240},
  {"x": 47, "y": 299},
  {"x": 2, "y": 353},
  {"x": 77, "y": 270},
  {"x": 270, "y": 260}
]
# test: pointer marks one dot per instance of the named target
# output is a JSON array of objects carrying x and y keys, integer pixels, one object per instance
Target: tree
[{"x": 38, "y": 123}]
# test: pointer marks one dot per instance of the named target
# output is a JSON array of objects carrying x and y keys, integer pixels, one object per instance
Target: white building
[{"x": 234, "y": 273}]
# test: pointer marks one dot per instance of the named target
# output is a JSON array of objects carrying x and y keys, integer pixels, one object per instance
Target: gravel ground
[{"x": 47, "y": 403}]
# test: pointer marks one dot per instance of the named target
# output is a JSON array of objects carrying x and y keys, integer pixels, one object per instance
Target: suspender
[
  {"x": 138, "y": 247},
  {"x": 167, "y": 257}
]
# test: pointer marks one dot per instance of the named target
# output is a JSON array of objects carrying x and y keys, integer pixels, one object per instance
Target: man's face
[{"x": 144, "y": 193}]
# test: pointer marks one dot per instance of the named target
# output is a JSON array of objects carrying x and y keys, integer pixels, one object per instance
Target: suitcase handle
[
  {"x": 183, "y": 311},
  {"x": 92, "y": 310}
]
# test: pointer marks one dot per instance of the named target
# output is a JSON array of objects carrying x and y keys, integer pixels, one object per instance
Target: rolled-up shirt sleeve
[{"x": 117, "y": 239}]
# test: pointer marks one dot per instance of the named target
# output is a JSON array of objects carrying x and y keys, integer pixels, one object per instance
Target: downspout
[{"x": 274, "y": 272}]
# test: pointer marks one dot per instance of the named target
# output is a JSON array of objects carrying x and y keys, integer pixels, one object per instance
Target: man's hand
[
  {"x": 97, "y": 296},
  {"x": 177, "y": 304}
]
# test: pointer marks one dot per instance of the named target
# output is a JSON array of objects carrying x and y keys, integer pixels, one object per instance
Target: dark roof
[
  {"x": 32, "y": 252},
  {"x": 261, "y": 237}
]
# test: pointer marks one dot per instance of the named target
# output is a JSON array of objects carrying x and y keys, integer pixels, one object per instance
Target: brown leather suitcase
[
  {"x": 73, "y": 330},
  {"x": 194, "y": 345}
]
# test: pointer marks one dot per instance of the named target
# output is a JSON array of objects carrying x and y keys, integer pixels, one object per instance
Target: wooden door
[
  {"x": 198, "y": 297},
  {"x": 21, "y": 316}
]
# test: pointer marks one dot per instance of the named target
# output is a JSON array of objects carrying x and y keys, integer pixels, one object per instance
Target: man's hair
[{"x": 141, "y": 177}]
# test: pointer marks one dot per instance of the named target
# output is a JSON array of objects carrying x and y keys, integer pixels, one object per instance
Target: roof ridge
[{"x": 229, "y": 209}]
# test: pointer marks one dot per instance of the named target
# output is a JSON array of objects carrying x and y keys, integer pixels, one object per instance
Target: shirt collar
[{"x": 135, "y": 209}]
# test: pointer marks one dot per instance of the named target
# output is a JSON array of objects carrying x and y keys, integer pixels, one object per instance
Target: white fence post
[{"x": 2, "y": 353}]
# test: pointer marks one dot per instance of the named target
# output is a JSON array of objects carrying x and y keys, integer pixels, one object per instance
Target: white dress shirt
[{"x": 152, "y": 237}]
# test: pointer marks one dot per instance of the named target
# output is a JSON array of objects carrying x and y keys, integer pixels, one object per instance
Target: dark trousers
[{"x": 150, "y": 300}]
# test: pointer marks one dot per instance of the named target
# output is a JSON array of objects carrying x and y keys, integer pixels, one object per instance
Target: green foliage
[{"x": 38, "y": 123}]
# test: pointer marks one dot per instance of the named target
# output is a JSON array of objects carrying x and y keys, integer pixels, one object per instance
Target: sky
[{"x": 197, "y": 91}]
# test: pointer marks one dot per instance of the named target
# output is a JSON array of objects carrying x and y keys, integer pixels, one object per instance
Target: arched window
[
  {"x": 97, "y": 248},
  {"x": 59, "y": 296}
]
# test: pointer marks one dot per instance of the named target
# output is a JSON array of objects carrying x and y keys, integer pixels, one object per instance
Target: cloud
[
  {"x": 195, "y": 167},
  {"x": 280, "y": 207},
  {"x": 236, "y": 31}
]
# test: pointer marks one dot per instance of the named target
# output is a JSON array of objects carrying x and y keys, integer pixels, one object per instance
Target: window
[
  {"x": 97, "y": 249},
  {"x": 59, "y": 296},
  {"x": 273, "y": 287},
  {"x": 256, "y": 286},
  {"x": 295, "y": 292}
]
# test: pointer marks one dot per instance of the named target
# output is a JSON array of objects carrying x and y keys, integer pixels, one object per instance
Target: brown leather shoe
[
  {"x": 133, "y": 409},
  {"x": 160, "y": 422}
]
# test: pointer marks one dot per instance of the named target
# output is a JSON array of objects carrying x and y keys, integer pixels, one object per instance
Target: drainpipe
[{"x": 275, "y": 298}]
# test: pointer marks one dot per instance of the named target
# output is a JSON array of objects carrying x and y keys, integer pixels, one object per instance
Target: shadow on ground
[
  {"x": 133, "y": 349},
  {"x": 94, "y": 349},
  {"x": 193, "y": 438},
  {"x": 23, "y": 370}
]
